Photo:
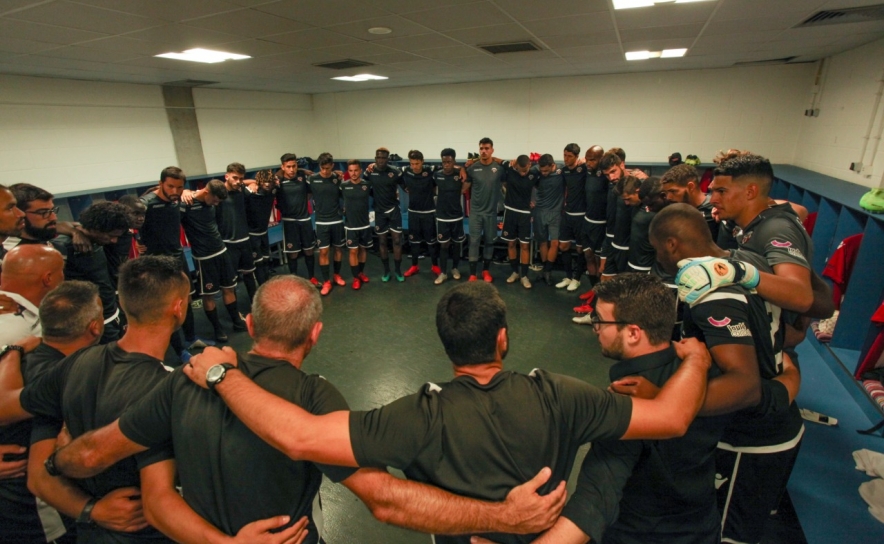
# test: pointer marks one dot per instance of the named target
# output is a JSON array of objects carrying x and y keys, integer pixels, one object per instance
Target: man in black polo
[
  {"x": 547, "y": 208},
  {"x": 417, "y": 180},
  {"x": 449, "y": 214},
  {"x": 682, "y": 184},
  {"x": 483, "y": 180},
  {"x": 102, "y": 223},
  {"x": 357, "y": 195},
  {"x": 297, "y": 228},
  {"x": 234, "y": 226},
  {"x": 213, "y": 265},
  {"x": 325, "y": 186},
  {"x": 93, "y": 386},
  {"x": 212, "y": 446},
  {"x": 259, "y": 205},
  {"x": 619, "y": 221},
  {"x": 481, "y": 433},
  {"x": 597, "y": 188},
  {"x": 573, "y": 215},
  {"x": 385, "y": 182},
  {"x": 518, "y": 184},
  {"x": 161, "y": 235}
]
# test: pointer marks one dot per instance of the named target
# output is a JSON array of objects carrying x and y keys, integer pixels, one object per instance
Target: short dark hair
[
  {"x": 286, "y": 157},
  {"x": 619, "y": 152},
  {"x": 523, "y": 160},
  {"x": 415, "y": 155},
  {"x": 25, "y": 193},
  {"x": 627, "y": 185},
  {"x": 486, "y": 141},
  {"x": 236, "y": 168},
  {"x": 172, "y": 172},
  {"x": 217, "y": 189},
  {"x": 642, "y": 300},
  {"x": 263, "y": 176},
  {"x": 105, "y": 217},
  {"x": 448, "y": 152},
  {"x": 681, "y": 175},
  {"x": 67, "y": 310},
  {"x": 546, "y": 160},
  {"x": 609, "y": 159},
  {"x": 468, "y": 319},
  {"x": 132, "y": 202},
  {"x": 573, "y": 149},
  {"x": 355, "y": 162},
  {"x": 682, "y": 222},
  {"x": 754, "y": 167},
  {"x": 146, "y": 285},
  {"x": 649, "y": 186},
  {"x": 325, "y": 158},
  {"x": 382, "y": 151}
]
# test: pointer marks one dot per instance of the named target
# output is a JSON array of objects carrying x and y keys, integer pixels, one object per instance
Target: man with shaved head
[
  {"x": 29, "y": 272},
  {"x": 12, "y": 219}
]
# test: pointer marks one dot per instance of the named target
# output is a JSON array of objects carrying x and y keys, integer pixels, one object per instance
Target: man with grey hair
[{"x": 212, "y": 445}]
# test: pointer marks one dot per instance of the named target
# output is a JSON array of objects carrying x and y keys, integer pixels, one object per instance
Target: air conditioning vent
[
  {"x": 188, "y": 83},
  {"x": 765, "y": 62},
  {"x": 842, "y": 16},
  {"x": 344, "y": 64},
  {"x": 518, "y": 47}
]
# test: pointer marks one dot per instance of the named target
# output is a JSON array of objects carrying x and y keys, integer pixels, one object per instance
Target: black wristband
[
  {"x": 49, "y": 464},
  {"x": 85, "y": 517}
]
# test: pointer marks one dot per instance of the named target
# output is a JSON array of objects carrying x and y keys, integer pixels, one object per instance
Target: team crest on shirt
[
  {"x": 579, "y": 169},
  {"x": 494, "y": 170},
  {"x": 289, "y": 246},
  {"x": 746, "y": 238},
  {"x": 426, "y": 174},
  {"x": 391, "y": 175},
  {"x": 777, "y": 243},
  {"x": 719, "y": 322},
  {"x": 209, "y": 286},
  {"x": 530, "y": 176},
  {"x": 505, "y": 233}
]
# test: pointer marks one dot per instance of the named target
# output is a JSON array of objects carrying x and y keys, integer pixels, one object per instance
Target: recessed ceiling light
[
  {"x": 380, "y": 30},
  {"x": 672, "y": 53},
  {"x": 628, "y": 4},
  {"x": 360, "y": 77},
  {"x": 665, "y": 54},
  {"x": 203, "y": 55}
]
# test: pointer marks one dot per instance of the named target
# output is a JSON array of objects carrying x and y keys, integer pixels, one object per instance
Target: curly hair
[{"x": 105, "y": 217}]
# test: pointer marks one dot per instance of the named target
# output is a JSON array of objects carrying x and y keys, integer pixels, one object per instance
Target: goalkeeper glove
[{"x": 697, "y": 278}]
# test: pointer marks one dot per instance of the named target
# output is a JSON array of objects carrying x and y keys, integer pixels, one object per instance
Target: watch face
[{"x": 215, "y": 373}]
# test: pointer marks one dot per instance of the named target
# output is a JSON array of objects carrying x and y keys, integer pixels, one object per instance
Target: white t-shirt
[{"x": 24, "y": 322}]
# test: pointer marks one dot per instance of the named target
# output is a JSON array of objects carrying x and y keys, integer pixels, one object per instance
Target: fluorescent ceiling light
[
  {"x": 672, "y": 53},
  {"x": 628, "y": 4},
  {"x": 360, "y": 77},
  {"x": 640, "y": 55},
  {"x": 203, "y": 55},
  {"x": 380, "y": 30}
]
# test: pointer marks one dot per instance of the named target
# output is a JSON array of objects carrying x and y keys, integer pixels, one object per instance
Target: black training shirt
[
  {"x": 230, "y": 215},
  {"x": 706, "y": 209},
  {"x": 161, "y": 232},
  {"x": 326, "y": 198},
  {"x": 519, "y": 189},
  {"x": 778, "y": 234},
  {"x": 449, "y": 198},
  {"x": 384, "y": 184},
  {"x": 642, "y": 254},
  {"x": 259, "y": 206},
  {"x": 91, "y": 267},
  {"x": 291, "y": 198},
  {"x": 420, "y": 188},
  {"x": 230, "y": 477},
  {"x": 597, "y": 188},
  {"x": 575, "y": 189},
  {"x": 481, "y": 440},
  {"x": 199, "y": 224},
  {"x": 356, "y": 203}
]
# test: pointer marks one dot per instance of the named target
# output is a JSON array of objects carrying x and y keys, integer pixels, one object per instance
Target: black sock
[
  {"x": 415, "y": 254},
  {"x": 337, "y": 267},
  {"x": 443, "y": 260},
  {"x": 523, "y": 270},
  {"x": 354, "y": 270},
  {"x": 547, "y": 266},
  {"x": 251, "y": 284},
  {"x": 473, "y": 266},
  {"x": 261, "y": 272},
  {"x": 310, "y": 261},
  {"x": 189, "y": 326},
  {"x": 514, "y": 264},
  {"x": 233, "y": 312},
  {"x": 213, "y": 319},
  {"x": 458, "y": 251},
  {"x": 398, "y": 264},
  {"x": 325, "y": 272},
  {"x": 434, "y": 254},
  {"x": 293, "y": 264},
  {"x": 386, "y": 263},
  {"x": 361, "y": 267},
  {"x": 594, "y": 279},
  {"x": 578, "y": 264},
  {"x": 486, "y": 265}
]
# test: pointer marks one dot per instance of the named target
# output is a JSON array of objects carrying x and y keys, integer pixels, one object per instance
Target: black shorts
[
  {"x": 297, "y": 235},
  {"x": 241, "y": 256},
  {"x": 359, "y": 237},
  {"x": 215, "y": 273},
  {"x": 616, "y": 262},
  {"x": 572, "y": 229},
  {"x": 330, "y": 235},
  {"x": 447, "y": 231},
  {"x": 516, "y": 226},
  {"x": 260, "y": 244},
  {"x": 422, "y": 227},
  {"x": 593, "y": 236},
  {"x": 186, "y": 269},
  {"x": 387, "y": 221}
]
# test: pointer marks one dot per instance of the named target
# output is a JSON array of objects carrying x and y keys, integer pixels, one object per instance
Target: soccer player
[
  {"x": 234, "y": 226},
  {"x": 449, "y": 214},
  {"x": 682, "y": 184},
  {"x": 12, "y": 218},
  {"x": 297, "y": 229},
  {"x": 102, "y": 223},
  {"x": 259, "y": 206},
  {"x": 547, "y": 207},
  {"x": 483, "y": 179},
  {"x": 417, "y": 180},
  {"x": 212, "y": 446},
  {"x": 357, "y": 193},
  {"x": 326, "y": 191},
  {"x": 480, "y": 433},
  {"x": 619, "y": 220},
  {"x": 385, "y": 182},
  {"x": 128, "y": 245},
  {"x": 215, "y": 270},
  {"x": 518, "y": 184},
  {"x": 597, "y": 188},
  {"x": 573, "y": 215}
]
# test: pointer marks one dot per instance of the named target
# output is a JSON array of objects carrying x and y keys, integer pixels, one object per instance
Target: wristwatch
[
  {"x": 11, "y": 347},
  {"x": 216, "y": 375},
  {"x": 49, "y": 464},
  {"x": 85, "y": 517}
]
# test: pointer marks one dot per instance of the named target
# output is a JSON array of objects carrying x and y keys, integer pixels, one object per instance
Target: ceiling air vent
[
  {"x": 765, "y": 62},
  {"x": 841, "y": 16},
  {"x": 344, "y": 64},
  {"x": 517, "y": 47},
  {"x": 188, "y": 83}
]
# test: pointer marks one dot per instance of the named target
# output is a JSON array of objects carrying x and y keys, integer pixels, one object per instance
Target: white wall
[
  {"x": 66, "y": 135},
  {"x": 830, "y": 142},
  {"x": 253, "y": 128},
  {"x": 650, "y": 115}
]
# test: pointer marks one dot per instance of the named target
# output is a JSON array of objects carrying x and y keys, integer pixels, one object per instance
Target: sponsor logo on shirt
[
  {"x": 739, "y": 330},
  {"x": 795, "y": 252},
  {"x": 777, "y": 243},
  {"x": 719, "y": 322}
]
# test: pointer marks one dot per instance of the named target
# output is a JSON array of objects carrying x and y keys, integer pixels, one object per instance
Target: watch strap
[
  {"x": 212, "y": 384},
  {"x": 12, "y": 347},
  {"x": 49, "y": 464},
  {"x": 85, "y": 517}
]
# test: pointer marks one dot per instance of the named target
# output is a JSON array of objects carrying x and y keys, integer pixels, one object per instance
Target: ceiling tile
[
  {"x": 664, "y": 15},
  {"x": 14, "y": 45},
  {"x": 389, "y": 58},
  {"x": 655, "y": 45},
  {"x": 416, "y": 43},
  {"x": 167, "y": 10},
  {"x": 571, "y": 25},
  {"x": 7, "y": 6},
  {"x": 359, "y": 50},
  {"x": 739, "y": 26},
  {"x": 125, "y": 45},
  {"x": 25, "y": 30},
  {"x": 359, "y": 29},
  {"x": 178, "y": 37},
  {"x": 738, "y": 9},
  {"x": 490, "y": 34},
  {"x": 408, "y": 6},
  {"x": 590, "y": 51},
  {"x": 531, "y": 10},
  {"x": 594, "y": 38},
  {"x": 247, "y": 23},
  {"x": 82, "y": 17},
  {"x": 258, "y": 48},
  {"x": 461, "y": 16},
  {"x": 313, "y": 38},
  {"x": 95, "y": 55},
  {"x": 689, "y": 32},
  {"x": 322, "y": 12},
  {"x": 453, "y": 52}
]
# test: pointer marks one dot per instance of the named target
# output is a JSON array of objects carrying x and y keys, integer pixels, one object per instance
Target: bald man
[
  {"x": 12, "y": 219},
  {"x": 29, "y": 272}
]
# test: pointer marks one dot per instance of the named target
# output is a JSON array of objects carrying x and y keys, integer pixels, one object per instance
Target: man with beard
[
  {"x": 385, "y": 182},
  {"x": 682, "y": 184},
  {"x": 12, "y": 219}
]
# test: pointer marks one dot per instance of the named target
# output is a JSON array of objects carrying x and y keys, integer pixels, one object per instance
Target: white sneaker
[
  {"x": 574, "y": 285},
  {"x": 564, "y": 283},
  {"x": 526, "y": 283},
  {"x": 441, "y": 278},
  {"x": 455, "y": 273},
  {"x": 583, "y": 319},
  {"x": 514, "y": 277},
  {"x": 537, "y": 267}
]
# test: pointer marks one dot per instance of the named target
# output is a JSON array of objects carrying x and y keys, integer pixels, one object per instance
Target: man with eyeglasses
[{"x": 41, "y": 222}]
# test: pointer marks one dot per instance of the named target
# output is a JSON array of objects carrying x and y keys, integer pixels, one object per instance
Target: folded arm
[{"x": 95, "y": 451}]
